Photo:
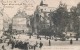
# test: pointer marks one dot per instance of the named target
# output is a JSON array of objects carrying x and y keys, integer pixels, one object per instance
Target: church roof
[{"x": 20, "y": 14}]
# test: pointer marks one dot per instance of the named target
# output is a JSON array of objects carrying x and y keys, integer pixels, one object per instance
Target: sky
[{"x": 30, "y": 5}]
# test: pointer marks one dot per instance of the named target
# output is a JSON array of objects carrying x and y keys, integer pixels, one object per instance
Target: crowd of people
[{"x": 26, "y": 45}]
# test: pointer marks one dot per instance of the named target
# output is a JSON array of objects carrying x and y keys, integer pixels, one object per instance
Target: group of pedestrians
[
  {"x": 26, "y": 45},
  {"x": 23, "y": 45},
  {"x": 39, "y": 45},
  {"x": 18, "y": 44}
]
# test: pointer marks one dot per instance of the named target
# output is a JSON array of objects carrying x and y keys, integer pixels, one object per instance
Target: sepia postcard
[{"x": 39, "y": 24}]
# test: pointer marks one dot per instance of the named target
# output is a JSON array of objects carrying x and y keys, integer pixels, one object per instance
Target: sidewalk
[{"x": 66, "y": 47}]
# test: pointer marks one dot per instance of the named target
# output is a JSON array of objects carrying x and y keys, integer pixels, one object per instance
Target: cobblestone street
[{"x": 45, "y": 43}]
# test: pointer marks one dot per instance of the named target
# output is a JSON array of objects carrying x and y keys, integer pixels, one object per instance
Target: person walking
[
  {"x": 36, "y": 43},
  {"x": 41, "y": 44},
  {"x": 34, "y": 47},
  {"x": 40, "y": 38},
  {"x": 3, "y": 47},
  {"x": 8, "y": 43},
  {"x": 71, "y": 41},
  {"x": 49, "y": 43},
  {"x": 13, "y": 45},
  {"x": 30, "y": 37}
]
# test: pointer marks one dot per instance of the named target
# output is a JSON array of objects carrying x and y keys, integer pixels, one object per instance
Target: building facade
[
  {"x": 21, "y": 23},
  {"x": 42, "y": 16}
]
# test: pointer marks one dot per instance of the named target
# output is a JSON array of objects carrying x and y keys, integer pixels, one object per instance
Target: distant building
[
  {"x": 7, "y": 22},
  {"x": 21, "y": 23},
  {"x": 69, "y": 34},
  {"x": 4, "y": 22},
  {"x": 42, "y": 16}
]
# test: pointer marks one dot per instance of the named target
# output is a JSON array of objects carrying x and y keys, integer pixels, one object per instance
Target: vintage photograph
[{"x": 39, "y": 24}]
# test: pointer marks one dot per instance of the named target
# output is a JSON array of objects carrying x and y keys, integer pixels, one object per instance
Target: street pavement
[
  {"x": 37, "y": 48},
  {"x": 45, "y": 43}
]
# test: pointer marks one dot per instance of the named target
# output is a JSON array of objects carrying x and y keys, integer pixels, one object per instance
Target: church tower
[{"x": 42, "y": 3}]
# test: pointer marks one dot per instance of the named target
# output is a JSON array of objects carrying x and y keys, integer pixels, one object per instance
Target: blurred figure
[
  {"x": 30, "y": 36},
  {"x": 3, "y": 47},
  {"x": 49, "y": 43},
  {"x": 36, "y": 43},
  {"x": 41, "y": 44},
  {"x": 71, "y": 41},
  {"x": 8, "y": 43},
  {"x": 34, "y": 47},
  {"x": 40, "y": 38},
  {"x": 13, "y": 45},
  {"x": 47, "y": 38}
]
